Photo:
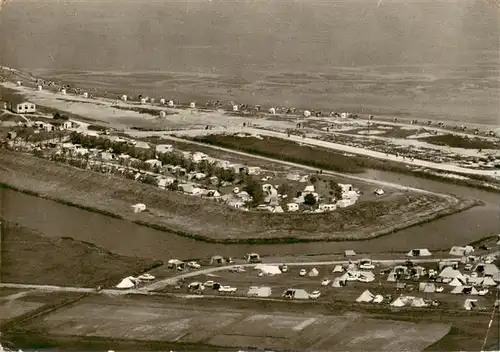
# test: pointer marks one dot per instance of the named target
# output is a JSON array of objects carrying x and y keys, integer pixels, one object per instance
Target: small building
[
  {"x": 139, "y": 207},
  {"x": 22, "y": 107},
  {"x": 253, "y": 170},
  {"x": 152, "y": 163},
  {"x": 259, "y": 291},
  {"x": 327, "y": 207},
  {"x": 291, "y": 207},
  {"x": 164, "y": 148}
]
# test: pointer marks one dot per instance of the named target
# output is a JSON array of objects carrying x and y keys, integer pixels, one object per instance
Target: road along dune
[{"x": 209, "y": 221}]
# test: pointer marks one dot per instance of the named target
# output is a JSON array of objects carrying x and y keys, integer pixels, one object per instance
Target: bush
[{"x": 309, "y": 199}]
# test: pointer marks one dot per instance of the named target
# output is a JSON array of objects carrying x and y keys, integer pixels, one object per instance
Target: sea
[{"x": 425, "y": 58}]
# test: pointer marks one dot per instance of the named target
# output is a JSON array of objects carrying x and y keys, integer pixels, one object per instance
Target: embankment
[{"x": 206, "y": 220}]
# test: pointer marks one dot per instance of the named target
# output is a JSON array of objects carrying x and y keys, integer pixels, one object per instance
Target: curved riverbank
[{"x": 205, "y": 220}]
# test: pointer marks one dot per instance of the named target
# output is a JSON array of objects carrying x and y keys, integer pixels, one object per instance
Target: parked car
[
  {"x": 314, "y": 295},
  {"x": 227, "y": 289},
  {"x": 193, "y": 265},
  {"x": 146, "y": 277},
  {"x": 302, "y": 272},
  {"x": 209, "y": 283},
  {"x": 325, "y": 282}
]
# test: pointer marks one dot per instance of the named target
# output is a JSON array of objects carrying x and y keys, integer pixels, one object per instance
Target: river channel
[{"x": 123, "y": 237}]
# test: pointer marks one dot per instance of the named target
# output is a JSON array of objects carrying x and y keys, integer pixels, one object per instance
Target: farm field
[{"x": 154, "y": 320}]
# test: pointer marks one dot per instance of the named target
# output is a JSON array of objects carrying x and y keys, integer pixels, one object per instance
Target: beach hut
[{"x": 366, "y": 296}]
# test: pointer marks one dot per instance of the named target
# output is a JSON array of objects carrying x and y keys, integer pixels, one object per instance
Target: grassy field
[
  {"x": 31, "y": 258},
  {"x": 215, "y": 222},
  {"x": 455, "y": 141}
]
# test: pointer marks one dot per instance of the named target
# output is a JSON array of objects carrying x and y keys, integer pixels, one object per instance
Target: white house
[
  {"x": 22, "y": 107},
  {"x": 291, "y": 207},
  {"x": 344, "y": 203},
  {"x": 327, "y": 207},
  {"x": 164, "y": 148},
  {"x": 253, "y": 170},
  {"x": 153, "y": 163},
  {"x": 346, "y": 187}
]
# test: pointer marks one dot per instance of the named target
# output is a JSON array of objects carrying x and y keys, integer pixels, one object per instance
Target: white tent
[
  {"x": 422, "y": 252},
  {"x": 378, "y": 299},
  {"x": 126, "y": 283},
  {"x": 338, "y": 269},
  {"x": 451, "y": 273},
  {"x": 488, "y": 281},
  {"x": 418, "y": 303},
  {"x": 428, "y": 287},
  {"x": 268, "y": 269},
  {"x": 391, "y": 277},
  {"x": 461, "y": 251},
  {"x": 464, "y": 289},
  {"x": 366, "y": 296},
  {"x": 313, "y": 273},
  {"x": 456, "y": 282},
  {"x": 398, "y": 302},
  {"x": 470, "y": 303}
]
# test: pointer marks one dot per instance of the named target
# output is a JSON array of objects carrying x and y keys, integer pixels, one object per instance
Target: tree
[
  {"x": 309, "y": 199},
  {"x": 337, "y": 190},
  {"x": 254, "y": 189},
  {"x": 313, "y": 179}
]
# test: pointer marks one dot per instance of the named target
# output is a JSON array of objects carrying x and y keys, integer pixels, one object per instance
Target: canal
[{"x": 123, "y": 237}]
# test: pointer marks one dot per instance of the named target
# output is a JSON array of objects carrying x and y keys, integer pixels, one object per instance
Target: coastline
[{"x": 190, "y": 217}]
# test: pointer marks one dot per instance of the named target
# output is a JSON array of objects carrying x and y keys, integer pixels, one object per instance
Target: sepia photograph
[{"x": 249, "y": 175}]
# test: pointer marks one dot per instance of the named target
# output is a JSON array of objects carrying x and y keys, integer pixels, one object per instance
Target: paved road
[{"x": 344, "y": 148}]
